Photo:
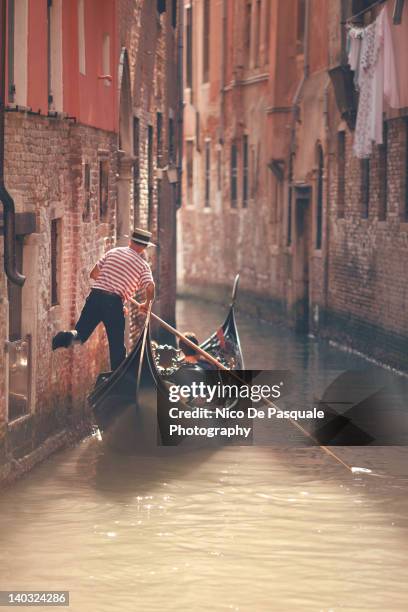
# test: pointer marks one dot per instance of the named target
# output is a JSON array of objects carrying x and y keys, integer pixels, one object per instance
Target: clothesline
[
  {"x": 397, "y": 14},
  {"x": 365, "y": 10}
]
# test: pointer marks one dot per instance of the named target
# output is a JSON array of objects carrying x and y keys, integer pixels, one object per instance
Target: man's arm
[
  {"x": 150, "y": 294},
  {"x": 98, "y": 267}
]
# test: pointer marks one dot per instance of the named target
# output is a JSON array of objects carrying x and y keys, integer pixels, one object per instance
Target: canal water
[{"x": 233, "y": 528}]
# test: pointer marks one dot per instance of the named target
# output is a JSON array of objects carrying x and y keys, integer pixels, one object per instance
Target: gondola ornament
[{"x": 234, "y": 291}]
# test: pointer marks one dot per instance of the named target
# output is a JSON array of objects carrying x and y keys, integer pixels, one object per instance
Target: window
[
  {"x": 174, "y": 13},
  {"x": 136, "y": 171},
  {"x": 289, "y": 236},
  {"x": 10, "y": 50},
  {"x": 106, "y": 65},
  {"x": 81, "y": 36},
  {"x": 341, "y": 173},
  {"x": 161, "y": 6},
  {"x": 87, "y": 192},
  {"x": 159, "y": 137},
  {"x": 290, "y": 198},
  {"x": 258, "y": 33},
  {"x": 54, "y": 54},
  {"x": 17, "y": 19},
  {"x": 55, "y": 261},
  {"x": 207, "y": 191},
  {"x": 15, "y": 297},
  {"x": 50, "y": 98},
  {"x": 245, "y": 172},
  {"x": 19, "y": 351},
  {"x": 267, "y": 31},
  {"x": 382, "y": 176},
  {"x": 171, "y": 141},
  {"x": 405, "y": 170},
  {"x": 189, "y": 47},
  {"x": 150, "y": 184},
  {"x": 198, "y": 131},
  {"x": 300, "y": 37},
  {"x": 190, "y": 170},
  {"x": 365, "y": 187},
  {"x": 206, "y": 40},
  {"x": 319, "y": 197},
  {"x": 248, "y": 25},
  {"x": 103, "y": 189},
  {"x": 254, "y": 173},
  {"x": 219, "y": 169},
  {"x": 234, "y": 175}
]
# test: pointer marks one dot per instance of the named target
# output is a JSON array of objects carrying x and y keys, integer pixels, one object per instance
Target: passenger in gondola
[
  {"x": 192, "y": 358},
  {"x": 191, "y": 368}
]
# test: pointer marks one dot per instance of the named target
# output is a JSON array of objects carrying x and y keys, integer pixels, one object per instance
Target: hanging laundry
[
  {"x": 369, "y": 124},
  {"x": 354, "y": 38},
  {"x": 395, "y": 58}
]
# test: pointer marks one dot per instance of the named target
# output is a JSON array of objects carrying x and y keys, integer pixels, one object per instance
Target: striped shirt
[{"x": 123, "y": 271}]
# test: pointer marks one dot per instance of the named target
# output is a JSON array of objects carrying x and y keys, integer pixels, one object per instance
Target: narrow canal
[{"x": 236, "y": 528}]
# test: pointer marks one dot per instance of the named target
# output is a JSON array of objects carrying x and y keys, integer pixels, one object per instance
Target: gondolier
[
  {"x": 144, "y": 392},
  {"x": 118, "y": 275}
]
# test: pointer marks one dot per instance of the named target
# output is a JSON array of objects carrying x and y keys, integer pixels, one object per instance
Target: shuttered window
[
  {"x": 319, "y": 197},
  {"x": 206, "y": 40},
  {"x": 245, "y": 172},
  {"x": 341, "y": 173},
  {"x": 365, "y": 187},
  {"x": 189, "y": 47},
  {"x": 234, "y": 175},
  {"x": 55, "y": 261},
  {"x": 207, "y": 173},
  {"x": 383, "y": 176}
]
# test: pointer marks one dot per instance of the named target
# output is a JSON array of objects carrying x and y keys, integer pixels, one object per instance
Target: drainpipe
[
  {"x": 222, "y": 80},
  {"x": 298, "y": 93},
  {"x": 180, "y": 86},
  {"x": 8, "y": 203}
]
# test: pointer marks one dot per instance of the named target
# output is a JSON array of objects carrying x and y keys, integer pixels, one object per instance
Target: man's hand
[
  {"x": 144, "y": 307},
  {"x": 150, "y": 293}
]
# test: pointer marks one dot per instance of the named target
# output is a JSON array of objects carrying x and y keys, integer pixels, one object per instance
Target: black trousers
[{"x": 106, "y": 308}]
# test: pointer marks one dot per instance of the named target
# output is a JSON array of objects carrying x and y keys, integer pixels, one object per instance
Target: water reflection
[{"x": 249, "y": 528}]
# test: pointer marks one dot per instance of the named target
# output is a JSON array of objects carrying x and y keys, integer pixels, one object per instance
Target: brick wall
[
  {"x": 45, "y": 173},
  {"x": 368, "y": 284}
]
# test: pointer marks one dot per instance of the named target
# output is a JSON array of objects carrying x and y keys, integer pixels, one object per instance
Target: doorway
[{"x": 302, "y": 257}]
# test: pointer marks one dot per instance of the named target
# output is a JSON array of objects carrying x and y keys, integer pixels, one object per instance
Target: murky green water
[{"x": 235, "y": 528}]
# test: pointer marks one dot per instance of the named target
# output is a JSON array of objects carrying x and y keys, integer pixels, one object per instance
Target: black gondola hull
[{"x": 138, "y": 383}]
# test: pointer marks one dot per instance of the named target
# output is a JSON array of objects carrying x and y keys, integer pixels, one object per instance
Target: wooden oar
[
  {"x": 175, "y": 331},
  {"x": 220, "y": 366}
]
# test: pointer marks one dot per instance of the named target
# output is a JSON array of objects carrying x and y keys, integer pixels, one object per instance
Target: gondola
[{"x": 138, "y": 382}]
